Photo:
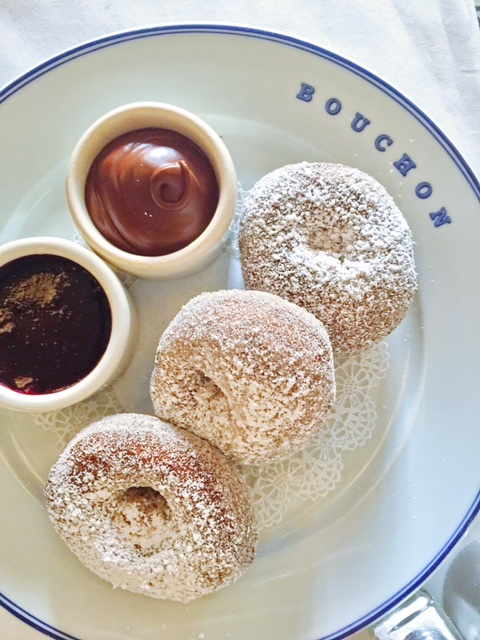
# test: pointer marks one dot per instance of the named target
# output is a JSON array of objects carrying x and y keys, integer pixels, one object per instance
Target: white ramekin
[
  {"x": 119, "y": 347},
  {"x": 140, "y": 115}
]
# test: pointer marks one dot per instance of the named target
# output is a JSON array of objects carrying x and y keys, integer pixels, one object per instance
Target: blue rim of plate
[{"x": 296, "y": 43}]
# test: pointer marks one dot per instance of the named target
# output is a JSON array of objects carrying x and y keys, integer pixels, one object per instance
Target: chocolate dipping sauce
[
  {"x": 55, "y": 323},
  {"x": 151, "y": 192}
]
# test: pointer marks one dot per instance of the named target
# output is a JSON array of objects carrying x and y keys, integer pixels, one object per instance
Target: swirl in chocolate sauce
[{"x": 151, "y": 192}]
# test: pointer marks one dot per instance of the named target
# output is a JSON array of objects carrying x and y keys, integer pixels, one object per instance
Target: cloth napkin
[{"x": 429, "y": 51}]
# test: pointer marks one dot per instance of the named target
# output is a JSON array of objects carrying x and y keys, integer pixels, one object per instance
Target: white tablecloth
[{"x": 428, "y": 50}]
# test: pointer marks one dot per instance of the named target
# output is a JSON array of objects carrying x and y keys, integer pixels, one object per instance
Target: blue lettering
[
  {"x": 423, "y": 190},
  {"x": 382, "y": 142},
  {"x": 404, "y": 164},
  {"x": 440, "y": 217},
  {"x": 359, "y": 122},
  {"x": 333, "y": 106},
  {"x": 306, "y": 92}
]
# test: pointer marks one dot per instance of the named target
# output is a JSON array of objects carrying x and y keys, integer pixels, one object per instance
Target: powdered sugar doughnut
[
  {"x": 246, "y": 370},
  {"x": 152, "y": 508},
  {"x": 330, "y": 239}
]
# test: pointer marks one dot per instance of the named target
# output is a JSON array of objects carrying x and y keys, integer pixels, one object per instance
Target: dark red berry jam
[{"x": 55, "y": 324}]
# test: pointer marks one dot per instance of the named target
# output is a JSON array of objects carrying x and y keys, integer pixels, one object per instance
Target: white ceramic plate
[{"x": 274, "y": 100}]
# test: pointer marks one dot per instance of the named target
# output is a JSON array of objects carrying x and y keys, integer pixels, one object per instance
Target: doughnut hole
[
  {"x": 142, "y": 514},
  {"x": 147, "y": 500},
  {"x": 209, "y": 401},
  {"x": 210, "y": 396},
  {"x": 332, "y": 240},
  {"x": 207, "y": 388}
]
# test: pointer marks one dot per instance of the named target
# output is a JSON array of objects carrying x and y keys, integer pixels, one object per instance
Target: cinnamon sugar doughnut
[
  {"x": 246, "y": 370},
  {"x": 330, "y": 238},
  {"x": 152, "y": 508}
]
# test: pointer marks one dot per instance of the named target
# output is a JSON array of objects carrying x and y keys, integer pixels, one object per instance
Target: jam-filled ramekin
[
  {"x": 122, "y": 202},
  {"x": 67, "y": 325}
]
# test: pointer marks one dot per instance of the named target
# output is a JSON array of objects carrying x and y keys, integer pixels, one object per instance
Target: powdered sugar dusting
[
  {"x": 330, "y": 239},
  {"x": 152, "y": 508},
  {"x": 249, "y": 372}
]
